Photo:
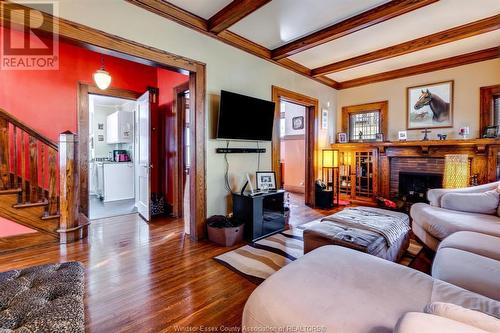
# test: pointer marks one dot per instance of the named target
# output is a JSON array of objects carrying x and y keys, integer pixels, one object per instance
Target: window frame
[
  {"x": 486, "y": 112},
  {"x": 381, "y": 107}
]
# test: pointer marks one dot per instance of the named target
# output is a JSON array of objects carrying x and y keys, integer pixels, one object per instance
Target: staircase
[{"x": 29, "y": 171}]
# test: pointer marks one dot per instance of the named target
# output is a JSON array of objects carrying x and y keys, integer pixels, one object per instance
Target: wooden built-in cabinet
[{"x": 358, "y": 168}]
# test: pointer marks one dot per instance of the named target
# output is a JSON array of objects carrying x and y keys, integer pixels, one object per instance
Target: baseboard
[{"x": 294, "y": 189}]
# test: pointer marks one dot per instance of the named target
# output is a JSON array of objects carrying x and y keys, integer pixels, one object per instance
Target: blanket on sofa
[{"x": 390, "y": 225}]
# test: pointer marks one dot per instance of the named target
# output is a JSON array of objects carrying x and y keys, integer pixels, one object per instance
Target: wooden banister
[{"x": 19, "y": 124}]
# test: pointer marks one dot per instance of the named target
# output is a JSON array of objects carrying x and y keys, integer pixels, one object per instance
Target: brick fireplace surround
[
  {"x": 428, "y": 157},
  {"x": 431, "y": 165}
]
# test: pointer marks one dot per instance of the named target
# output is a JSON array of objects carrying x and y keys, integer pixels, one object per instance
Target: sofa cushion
[
  {"x": 483, "y": 203},
  {"x": 480, "y": 244},
  {"x": 470, "y": 317},
  {"x": 415, "y": 322},
  {"x": 469, "y": 271},
  {"x": 441, "y": 223}
]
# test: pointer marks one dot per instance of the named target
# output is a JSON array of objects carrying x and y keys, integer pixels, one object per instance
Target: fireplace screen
[{"x": 413, "y": 186}]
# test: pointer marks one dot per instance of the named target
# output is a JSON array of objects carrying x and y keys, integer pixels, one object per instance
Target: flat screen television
[{"x": 244, "y": 118}]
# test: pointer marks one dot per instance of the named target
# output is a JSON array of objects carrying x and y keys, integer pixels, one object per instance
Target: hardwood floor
[{"x": 146, "y": 277}]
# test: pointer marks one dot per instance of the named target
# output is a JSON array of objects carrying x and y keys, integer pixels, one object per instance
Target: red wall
[{"x": 47, "y": 100}]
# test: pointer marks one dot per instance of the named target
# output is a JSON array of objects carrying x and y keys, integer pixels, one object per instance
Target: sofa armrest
[{"x": 434, "y": 195}]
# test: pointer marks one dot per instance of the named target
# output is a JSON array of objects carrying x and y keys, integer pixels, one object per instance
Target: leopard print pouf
[{"x": 47, "y": 298}]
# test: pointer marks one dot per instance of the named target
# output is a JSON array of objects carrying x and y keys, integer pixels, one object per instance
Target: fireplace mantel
[{"x": 483, "y": 155}]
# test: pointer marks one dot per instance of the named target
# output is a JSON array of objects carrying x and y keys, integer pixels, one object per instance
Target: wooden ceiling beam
[
  {"x": 442, "y": 37},
  {"x": 359, "y": 22},
  {"x": 199, "y": 24},
  {"x": 232, "y": 13},
  {"x": 464, "y": 59}
]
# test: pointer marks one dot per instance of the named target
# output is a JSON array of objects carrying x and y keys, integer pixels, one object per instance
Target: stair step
[
  {"x": 31, "y": 204},
  {"x": 11, "y": 191},
  {"x": 50, "y": 217}
]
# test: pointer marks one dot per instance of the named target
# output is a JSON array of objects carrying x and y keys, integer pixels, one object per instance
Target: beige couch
[
  {"x": 432, "y": 223},
  {"x": 470, "y": 260},
  {"x": 335, "y": 289}
]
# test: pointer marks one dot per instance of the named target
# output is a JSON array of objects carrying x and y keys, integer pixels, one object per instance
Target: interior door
[{"x": 143, "y": 159}]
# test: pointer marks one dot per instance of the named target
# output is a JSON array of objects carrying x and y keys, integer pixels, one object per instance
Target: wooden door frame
[
  {"x": 101, "y": 41},
  {"x": 180, "y": 118},
  {"x": 311, "y": 137},
  {"x": 84, "y": 89}
]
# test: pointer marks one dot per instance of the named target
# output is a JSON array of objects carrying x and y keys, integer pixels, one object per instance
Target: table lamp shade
[
  {"x": 330, "y": 158},
  {"x": 456, "y": 171}
]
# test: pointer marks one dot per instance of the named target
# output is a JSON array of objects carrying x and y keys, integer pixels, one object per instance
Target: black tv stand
[{"x": 263, "y": 214}]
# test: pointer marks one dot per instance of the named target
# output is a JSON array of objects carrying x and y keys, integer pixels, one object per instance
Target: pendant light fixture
[{"x": 101, "y": 77}]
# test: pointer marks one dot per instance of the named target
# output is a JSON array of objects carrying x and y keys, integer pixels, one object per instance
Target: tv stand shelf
[{"x": 263, "y": 214}]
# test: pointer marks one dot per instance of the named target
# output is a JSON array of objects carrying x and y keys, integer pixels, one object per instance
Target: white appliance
[
  {"x": 118, "y": 181},
  {"x": 120, "y": 127}
]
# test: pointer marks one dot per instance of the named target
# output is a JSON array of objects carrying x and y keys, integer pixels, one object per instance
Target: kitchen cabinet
[
  {"x": 120, "y": 127},
  {"x": 118, "y": 181}
]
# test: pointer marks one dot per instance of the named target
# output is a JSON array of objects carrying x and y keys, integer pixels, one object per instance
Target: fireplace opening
[{"x": 413, "y": 186}]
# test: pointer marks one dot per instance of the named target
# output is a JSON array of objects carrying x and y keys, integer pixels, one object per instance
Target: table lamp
[
  {"x": 331, "y": 162},
  {"x": 456, "y": 171}
]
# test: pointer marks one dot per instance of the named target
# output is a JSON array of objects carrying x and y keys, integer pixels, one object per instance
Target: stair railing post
[{"x": 71, "y": 227}]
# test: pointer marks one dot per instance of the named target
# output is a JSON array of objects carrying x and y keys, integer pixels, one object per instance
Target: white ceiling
[
  {"x": 430, "y": 19},
  {"x": 203, "y": 8},
  {"x": 484, "y": 41},
  {"x": 282, "y": 21}
]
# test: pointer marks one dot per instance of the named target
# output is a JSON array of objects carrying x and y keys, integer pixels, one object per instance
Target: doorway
[
  {"x": 182, "y": 163},
  {"x": 292, "y": 146},
  {"x": 112, "y": 152},
  {"x": 310, "y": 124}
]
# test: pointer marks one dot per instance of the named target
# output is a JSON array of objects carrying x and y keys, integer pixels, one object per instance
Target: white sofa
[
  {"x": 470, "y": 260},
  {"x": 335, "y": 289},
  {"x": 432, "y": 223}
]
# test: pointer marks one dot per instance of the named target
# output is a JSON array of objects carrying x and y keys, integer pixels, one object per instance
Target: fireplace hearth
[{"x": 413, "y": 186}]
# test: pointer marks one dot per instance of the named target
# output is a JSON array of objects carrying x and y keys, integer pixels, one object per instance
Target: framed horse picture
[{"x": 430, "y": 105}]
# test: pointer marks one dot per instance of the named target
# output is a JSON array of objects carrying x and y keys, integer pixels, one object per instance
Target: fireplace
[{"x": 413, "y": 186}]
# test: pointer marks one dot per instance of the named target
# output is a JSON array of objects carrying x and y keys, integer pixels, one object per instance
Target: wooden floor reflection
[{"x": 147, "y": 277}]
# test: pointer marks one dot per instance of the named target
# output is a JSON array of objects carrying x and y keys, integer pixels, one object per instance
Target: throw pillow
[
  {"x": 470, "y": 317},
  {"x": 484, "y": 203},
  {"x": 416, "y": 322}
]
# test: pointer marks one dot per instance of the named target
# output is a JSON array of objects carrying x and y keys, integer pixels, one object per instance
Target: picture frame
[
  {"x": 379, "y": 137},
  {"x": 324, "y": 119},
  {"x": 430, "y": 105},
  {"x": 100, "y": 126},
  {"x": 402, "y": 135},
  {"x": 298, "y": 123},
  {"x": 266, "y": 180},
  {"x": 491, "y": 132},
  {"x": 342, "y": 137}
]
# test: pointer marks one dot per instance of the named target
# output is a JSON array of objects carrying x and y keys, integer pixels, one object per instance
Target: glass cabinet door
[{"x": 364, "y": 174}]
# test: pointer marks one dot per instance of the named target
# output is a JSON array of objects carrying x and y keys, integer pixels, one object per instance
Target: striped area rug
[{"x": 261, "y": 259}]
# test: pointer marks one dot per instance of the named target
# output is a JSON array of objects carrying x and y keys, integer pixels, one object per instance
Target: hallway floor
[{"x": 99, "y": 209}]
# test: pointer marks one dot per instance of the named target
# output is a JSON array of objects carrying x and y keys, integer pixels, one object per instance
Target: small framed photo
[
  {"x": 379, "y": 137},
  {"x": 491, "y": 132},
  {"x": 266, "y": 180},
  {"x": 100, "y": 126},
  {"x": 342, "y": 137},
  {"x": 100, "y": 137},
  {"x": 298, "y": 123},
  {"x": 402, "y": 136}
]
